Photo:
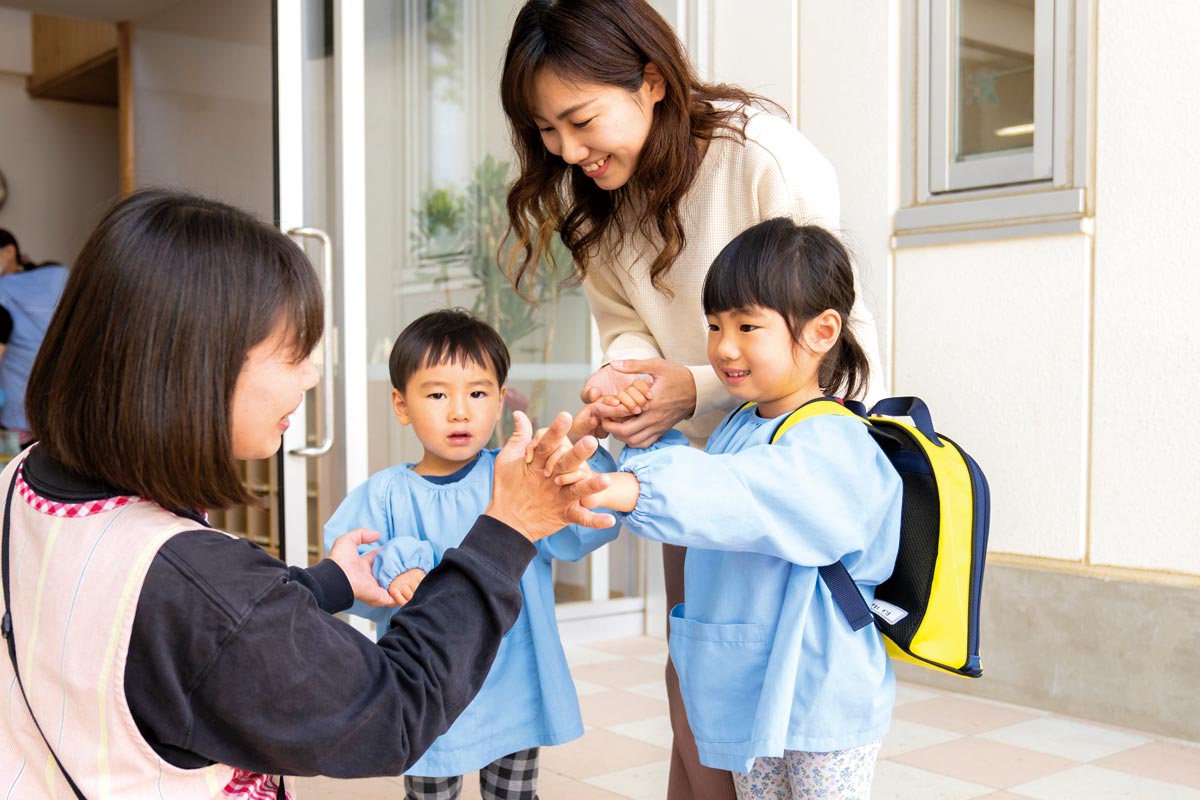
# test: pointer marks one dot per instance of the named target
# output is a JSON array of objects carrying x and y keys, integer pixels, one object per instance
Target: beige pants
[{"x": 689, "y": 779}]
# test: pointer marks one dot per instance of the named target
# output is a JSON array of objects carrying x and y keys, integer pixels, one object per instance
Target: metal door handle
[{"x": 327, "y": 393}]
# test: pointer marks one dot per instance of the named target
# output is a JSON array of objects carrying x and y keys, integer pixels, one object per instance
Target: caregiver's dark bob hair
[{"x": 134, "y": 381}]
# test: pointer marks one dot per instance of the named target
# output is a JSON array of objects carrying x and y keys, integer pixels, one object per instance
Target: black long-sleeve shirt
[{"x": 234, "y": 658}]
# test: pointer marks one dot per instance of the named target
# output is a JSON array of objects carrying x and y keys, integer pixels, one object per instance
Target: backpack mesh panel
[{"x": 920, "y": 512}]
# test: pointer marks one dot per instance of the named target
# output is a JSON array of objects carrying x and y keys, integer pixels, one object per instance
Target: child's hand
[
  {"x": 633, "y": 398},
  {"x": 586, "y": 423},
  {"x": 622, "y": 493},
  {"x": 564, "y": 475},
  {"x": 536, "y": 439},
  {"x": 344, "y": 553},
  {"x": 403, "y": 585}
]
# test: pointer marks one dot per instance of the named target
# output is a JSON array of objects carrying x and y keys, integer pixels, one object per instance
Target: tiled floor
[{"x": 942, "y": 746}]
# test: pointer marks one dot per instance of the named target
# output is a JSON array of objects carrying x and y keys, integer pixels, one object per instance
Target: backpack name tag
[{"x": 887, "y": 612}]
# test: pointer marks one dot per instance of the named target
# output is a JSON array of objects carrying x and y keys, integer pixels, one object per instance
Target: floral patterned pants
[{"x": 840, "y": 775}]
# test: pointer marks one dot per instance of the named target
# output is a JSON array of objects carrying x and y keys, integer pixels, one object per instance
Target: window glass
[{"x": 994, "y": 78}]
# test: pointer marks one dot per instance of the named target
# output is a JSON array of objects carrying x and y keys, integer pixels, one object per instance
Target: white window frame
[
  {"x": 1007, "y": 195},
  {"x": 946, "y": 172}
]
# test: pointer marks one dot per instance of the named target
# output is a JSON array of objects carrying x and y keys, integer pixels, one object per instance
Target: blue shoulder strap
[{"x": 842, "y": 587}]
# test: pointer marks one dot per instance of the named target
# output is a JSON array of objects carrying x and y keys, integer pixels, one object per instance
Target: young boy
[{"x": 448, "y": 371}]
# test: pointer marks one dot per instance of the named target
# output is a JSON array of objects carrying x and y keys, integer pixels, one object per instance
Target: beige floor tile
[
  {"x": 1003, "y": 796},
  {"x": 900, "y": 782},
  {"x": 656, "y": 731},
  {"x": 578, "y": 656},
  {"x": 600, "y": 751},
  {"x": 612, "y": 707},
  {"x": 585, "y": 688},
  {"x": 365, "y": 789},
  {"x": 910, "y": 693},
  {"x": 656, "y": 689},
  {"x": 640, "y": 646},
  {"x": 553, "y": 786},
  {"x": 993, "y": 764},
  {"x": 619, "y": 673},
  {"x": 905, "y": 736},
  {"x": 654, "y": 658},
  {"x": 962, "y": 714},
  {"x": 470, "y": 790},
  {"x": 1071, "y": 739},
  {"x": 1181, "y": 742},
  {"x": 1167, "y": 761},
  {"x": 1089, "y": 782},
  {"x": 647, "y": 782},
  {"x": 1105, "y": 725},
  {"x": 1037, "y": 712}
]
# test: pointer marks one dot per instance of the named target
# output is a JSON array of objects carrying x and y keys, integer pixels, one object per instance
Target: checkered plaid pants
[{"x": 513, "y": 777}]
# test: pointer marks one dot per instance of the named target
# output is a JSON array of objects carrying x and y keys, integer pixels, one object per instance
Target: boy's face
[{"x": 453, "y": 409}]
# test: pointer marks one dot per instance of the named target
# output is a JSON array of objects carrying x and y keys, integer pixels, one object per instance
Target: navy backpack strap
[
  {"x": 857, "y": 407},
  {"x": 847, "y": 595},
  {"x": 911, "y": 407}
]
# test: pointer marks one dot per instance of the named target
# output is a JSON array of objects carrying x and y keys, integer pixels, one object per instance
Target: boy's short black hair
[{"x": 450, "y": 335}]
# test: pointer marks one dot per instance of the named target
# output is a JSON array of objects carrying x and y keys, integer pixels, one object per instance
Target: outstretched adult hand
[
  {"x": 672, "y": 399},
  {"x": 344, "y": 552},
  {"x": 528, "y": 500}
]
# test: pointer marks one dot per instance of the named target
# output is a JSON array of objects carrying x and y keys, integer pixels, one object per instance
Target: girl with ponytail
[{"x": 779, "y": 689}]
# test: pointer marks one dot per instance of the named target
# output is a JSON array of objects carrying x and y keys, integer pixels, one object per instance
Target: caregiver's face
[
  {"x": 268, "y": 390},
  {"x": 597, "y": 127}
]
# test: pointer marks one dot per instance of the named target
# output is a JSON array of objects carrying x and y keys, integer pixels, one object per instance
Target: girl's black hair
[
  {"x": 798, "y": 271},
  {"x": 447, "y": 336}
]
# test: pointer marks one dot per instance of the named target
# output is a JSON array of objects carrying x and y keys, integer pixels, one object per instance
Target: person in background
[{"x": 29, "y": 293}]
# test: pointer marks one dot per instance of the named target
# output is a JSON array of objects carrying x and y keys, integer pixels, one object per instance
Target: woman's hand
[
  {"x": 526, "y": 499},
  {"x": 672, "y": 398},
  {"x": 344, "y": 553}
]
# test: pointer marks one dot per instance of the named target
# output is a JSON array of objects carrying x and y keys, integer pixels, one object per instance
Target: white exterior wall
[
  {"x": 793, "y": 51},
  {"x": 1146, "y": 462},
  {"x": 840, "y": 88},
  {"x": 1064, "y": 363},
  {"x": 993, "y": 335},
  {"x": 59, "y": 159}
]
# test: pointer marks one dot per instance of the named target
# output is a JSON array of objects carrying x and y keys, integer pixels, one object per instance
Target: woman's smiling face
[{"x": 597, "y": 127}]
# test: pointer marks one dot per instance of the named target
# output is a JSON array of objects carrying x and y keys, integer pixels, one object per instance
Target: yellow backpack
[{"x": 928, "y": 610}]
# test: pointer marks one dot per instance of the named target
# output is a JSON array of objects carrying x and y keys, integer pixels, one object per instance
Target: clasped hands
[
  {"x": 635, "y": 400},
  {"x": 525, "y": 496}
]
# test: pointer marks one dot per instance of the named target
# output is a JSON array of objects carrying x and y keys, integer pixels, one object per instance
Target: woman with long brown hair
[{"x": 647, "y": 172}]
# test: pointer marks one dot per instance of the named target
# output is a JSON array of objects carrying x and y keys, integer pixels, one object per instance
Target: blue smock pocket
[{"x": 721, "y": 668}]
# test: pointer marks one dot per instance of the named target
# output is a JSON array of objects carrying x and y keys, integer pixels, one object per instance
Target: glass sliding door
[{"x": 402, "y": 155}]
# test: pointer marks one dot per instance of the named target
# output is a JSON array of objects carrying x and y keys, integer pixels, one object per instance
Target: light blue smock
[
  {"x": 766, "y": 659},
  {"x": 30, "y": 297},
  {"x": 528, "y": 699}
]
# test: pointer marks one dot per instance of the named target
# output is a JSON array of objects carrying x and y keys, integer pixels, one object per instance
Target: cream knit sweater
[{"x": 775, "y": 172}]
